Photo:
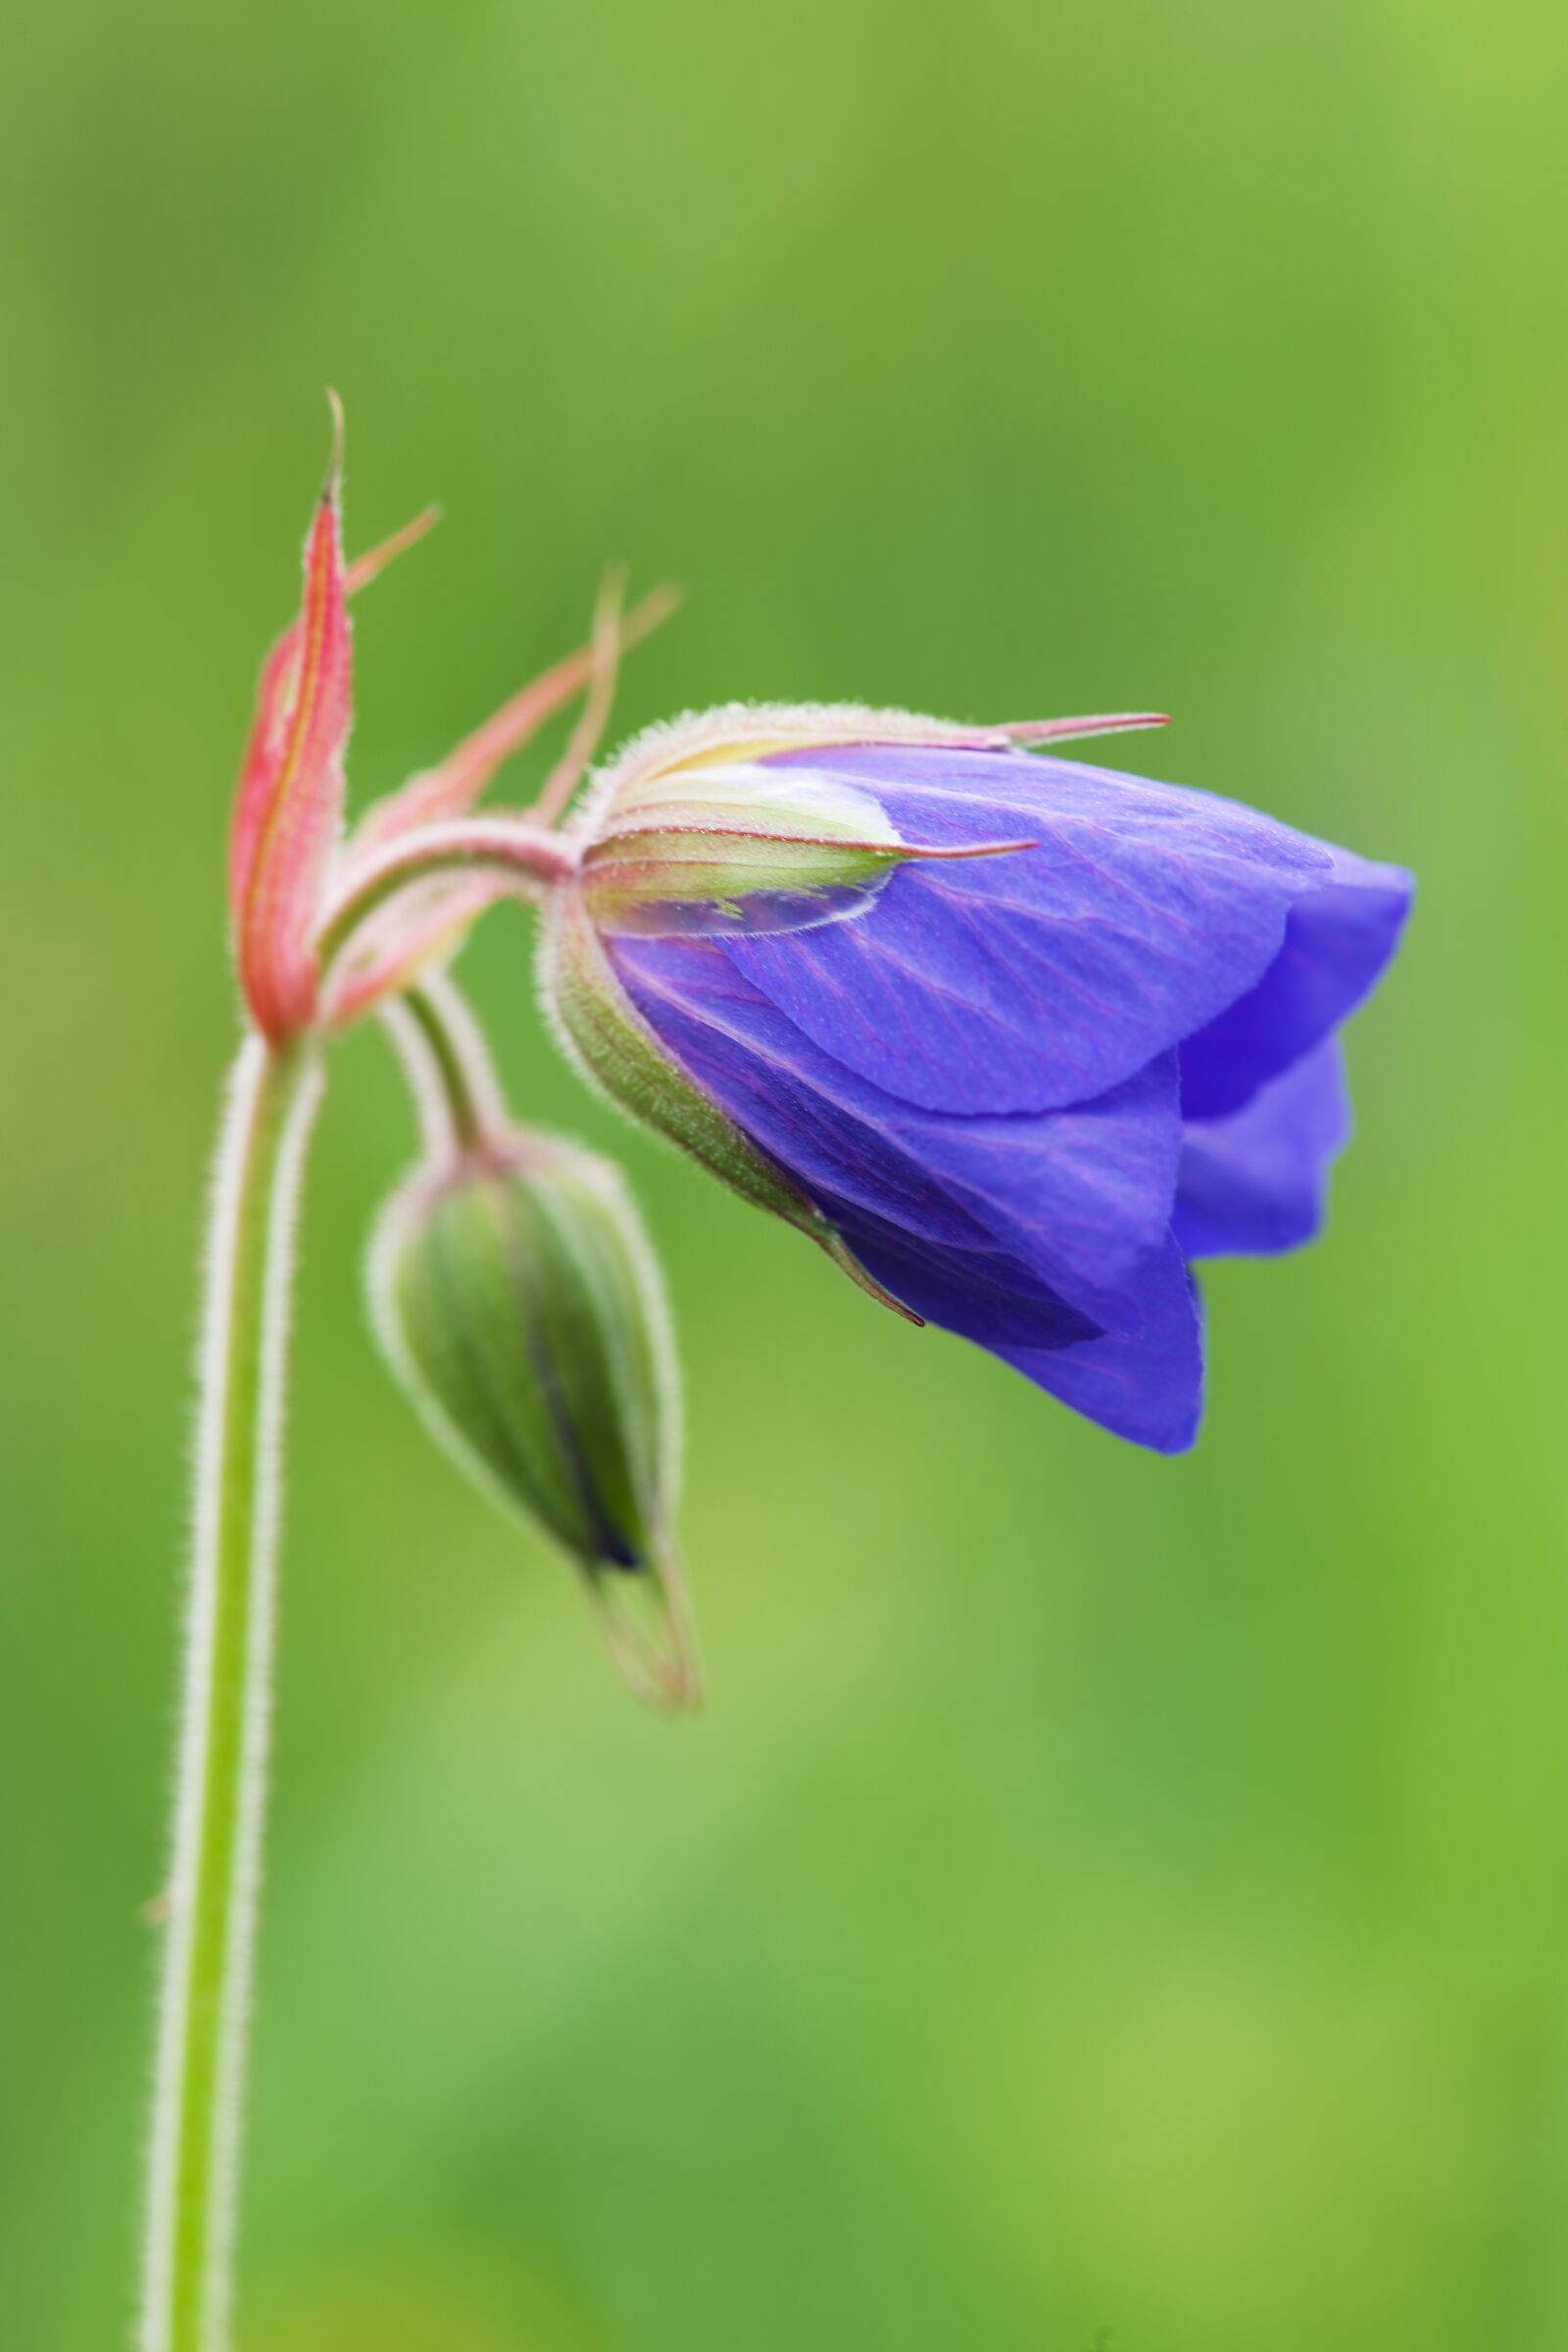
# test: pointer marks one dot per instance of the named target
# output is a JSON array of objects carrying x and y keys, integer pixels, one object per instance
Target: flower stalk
[
  {"x": 226, "y": 1707},
  {"x": 520, "y": 856}
]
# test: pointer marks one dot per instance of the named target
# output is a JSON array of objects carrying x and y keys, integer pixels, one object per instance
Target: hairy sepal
[
  {"x": 739, "y": 847},
  {"x": 289, "y": 806}
]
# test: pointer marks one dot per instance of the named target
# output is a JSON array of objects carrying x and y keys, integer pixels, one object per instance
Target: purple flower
[{"x": 1015, "y": 1039}]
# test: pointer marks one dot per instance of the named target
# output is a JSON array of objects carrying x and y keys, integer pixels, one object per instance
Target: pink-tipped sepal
[{"x": 289, "y": 806}]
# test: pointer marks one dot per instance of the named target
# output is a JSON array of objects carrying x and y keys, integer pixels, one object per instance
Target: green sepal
[{"x": 724, "y": 836}]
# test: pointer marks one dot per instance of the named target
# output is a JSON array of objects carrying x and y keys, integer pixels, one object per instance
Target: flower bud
[{"x": 519, "y": 1304}]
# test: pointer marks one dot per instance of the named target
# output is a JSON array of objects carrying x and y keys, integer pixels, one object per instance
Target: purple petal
[
  {"x": 1080, "y": 1195},
  {"x": 1253, "y": 1184},
  {"x": 1046, "y": 976},
  {"x": 984, "y": 1294},
  {"x": 1336, "y": 943},
  {"x": 1147, "y": 1386}
]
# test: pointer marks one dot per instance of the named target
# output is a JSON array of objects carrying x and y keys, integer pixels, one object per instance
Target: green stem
[
  {"x": 221, "y": 1798},
  {"x": 453, "y": 1063}
]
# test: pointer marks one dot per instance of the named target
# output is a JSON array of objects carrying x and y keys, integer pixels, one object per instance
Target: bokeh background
[{"x": 1105, "y": 1894}]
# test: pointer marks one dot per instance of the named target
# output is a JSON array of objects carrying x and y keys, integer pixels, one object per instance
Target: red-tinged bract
[{"x": 289, "y": 809}]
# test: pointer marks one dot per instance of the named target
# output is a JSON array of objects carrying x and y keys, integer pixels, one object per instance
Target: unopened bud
[{"x": 520, "y": 1305}]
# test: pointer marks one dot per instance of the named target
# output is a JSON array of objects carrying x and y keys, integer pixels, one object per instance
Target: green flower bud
[{"x": 519, "y": 1304}]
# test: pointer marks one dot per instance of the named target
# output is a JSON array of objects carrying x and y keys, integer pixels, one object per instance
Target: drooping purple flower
[{"x": 1015, "y": 1039}]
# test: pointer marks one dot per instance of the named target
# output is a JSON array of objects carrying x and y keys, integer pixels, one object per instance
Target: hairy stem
[
  {"x": 221, "y": 1798},
  {"x": 447, "y": 1064},
  {"x": 522, "y": 853}
]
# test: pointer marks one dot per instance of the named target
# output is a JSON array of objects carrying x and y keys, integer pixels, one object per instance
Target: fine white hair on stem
[
  {"x": 242, "y": 1089},
  {"x": 226, "y": 1707},
  {"x": 447, "y": 1063}
]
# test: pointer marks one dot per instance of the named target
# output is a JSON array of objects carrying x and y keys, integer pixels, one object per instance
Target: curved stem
[
  {"x": 447, "y": 1063},
  {"x": 524, "y": 853},
  {"x": 273, "y": 1096}
]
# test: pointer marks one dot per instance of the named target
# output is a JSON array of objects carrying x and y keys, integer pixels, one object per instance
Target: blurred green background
[{"x": 1104, "y": 1894}]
